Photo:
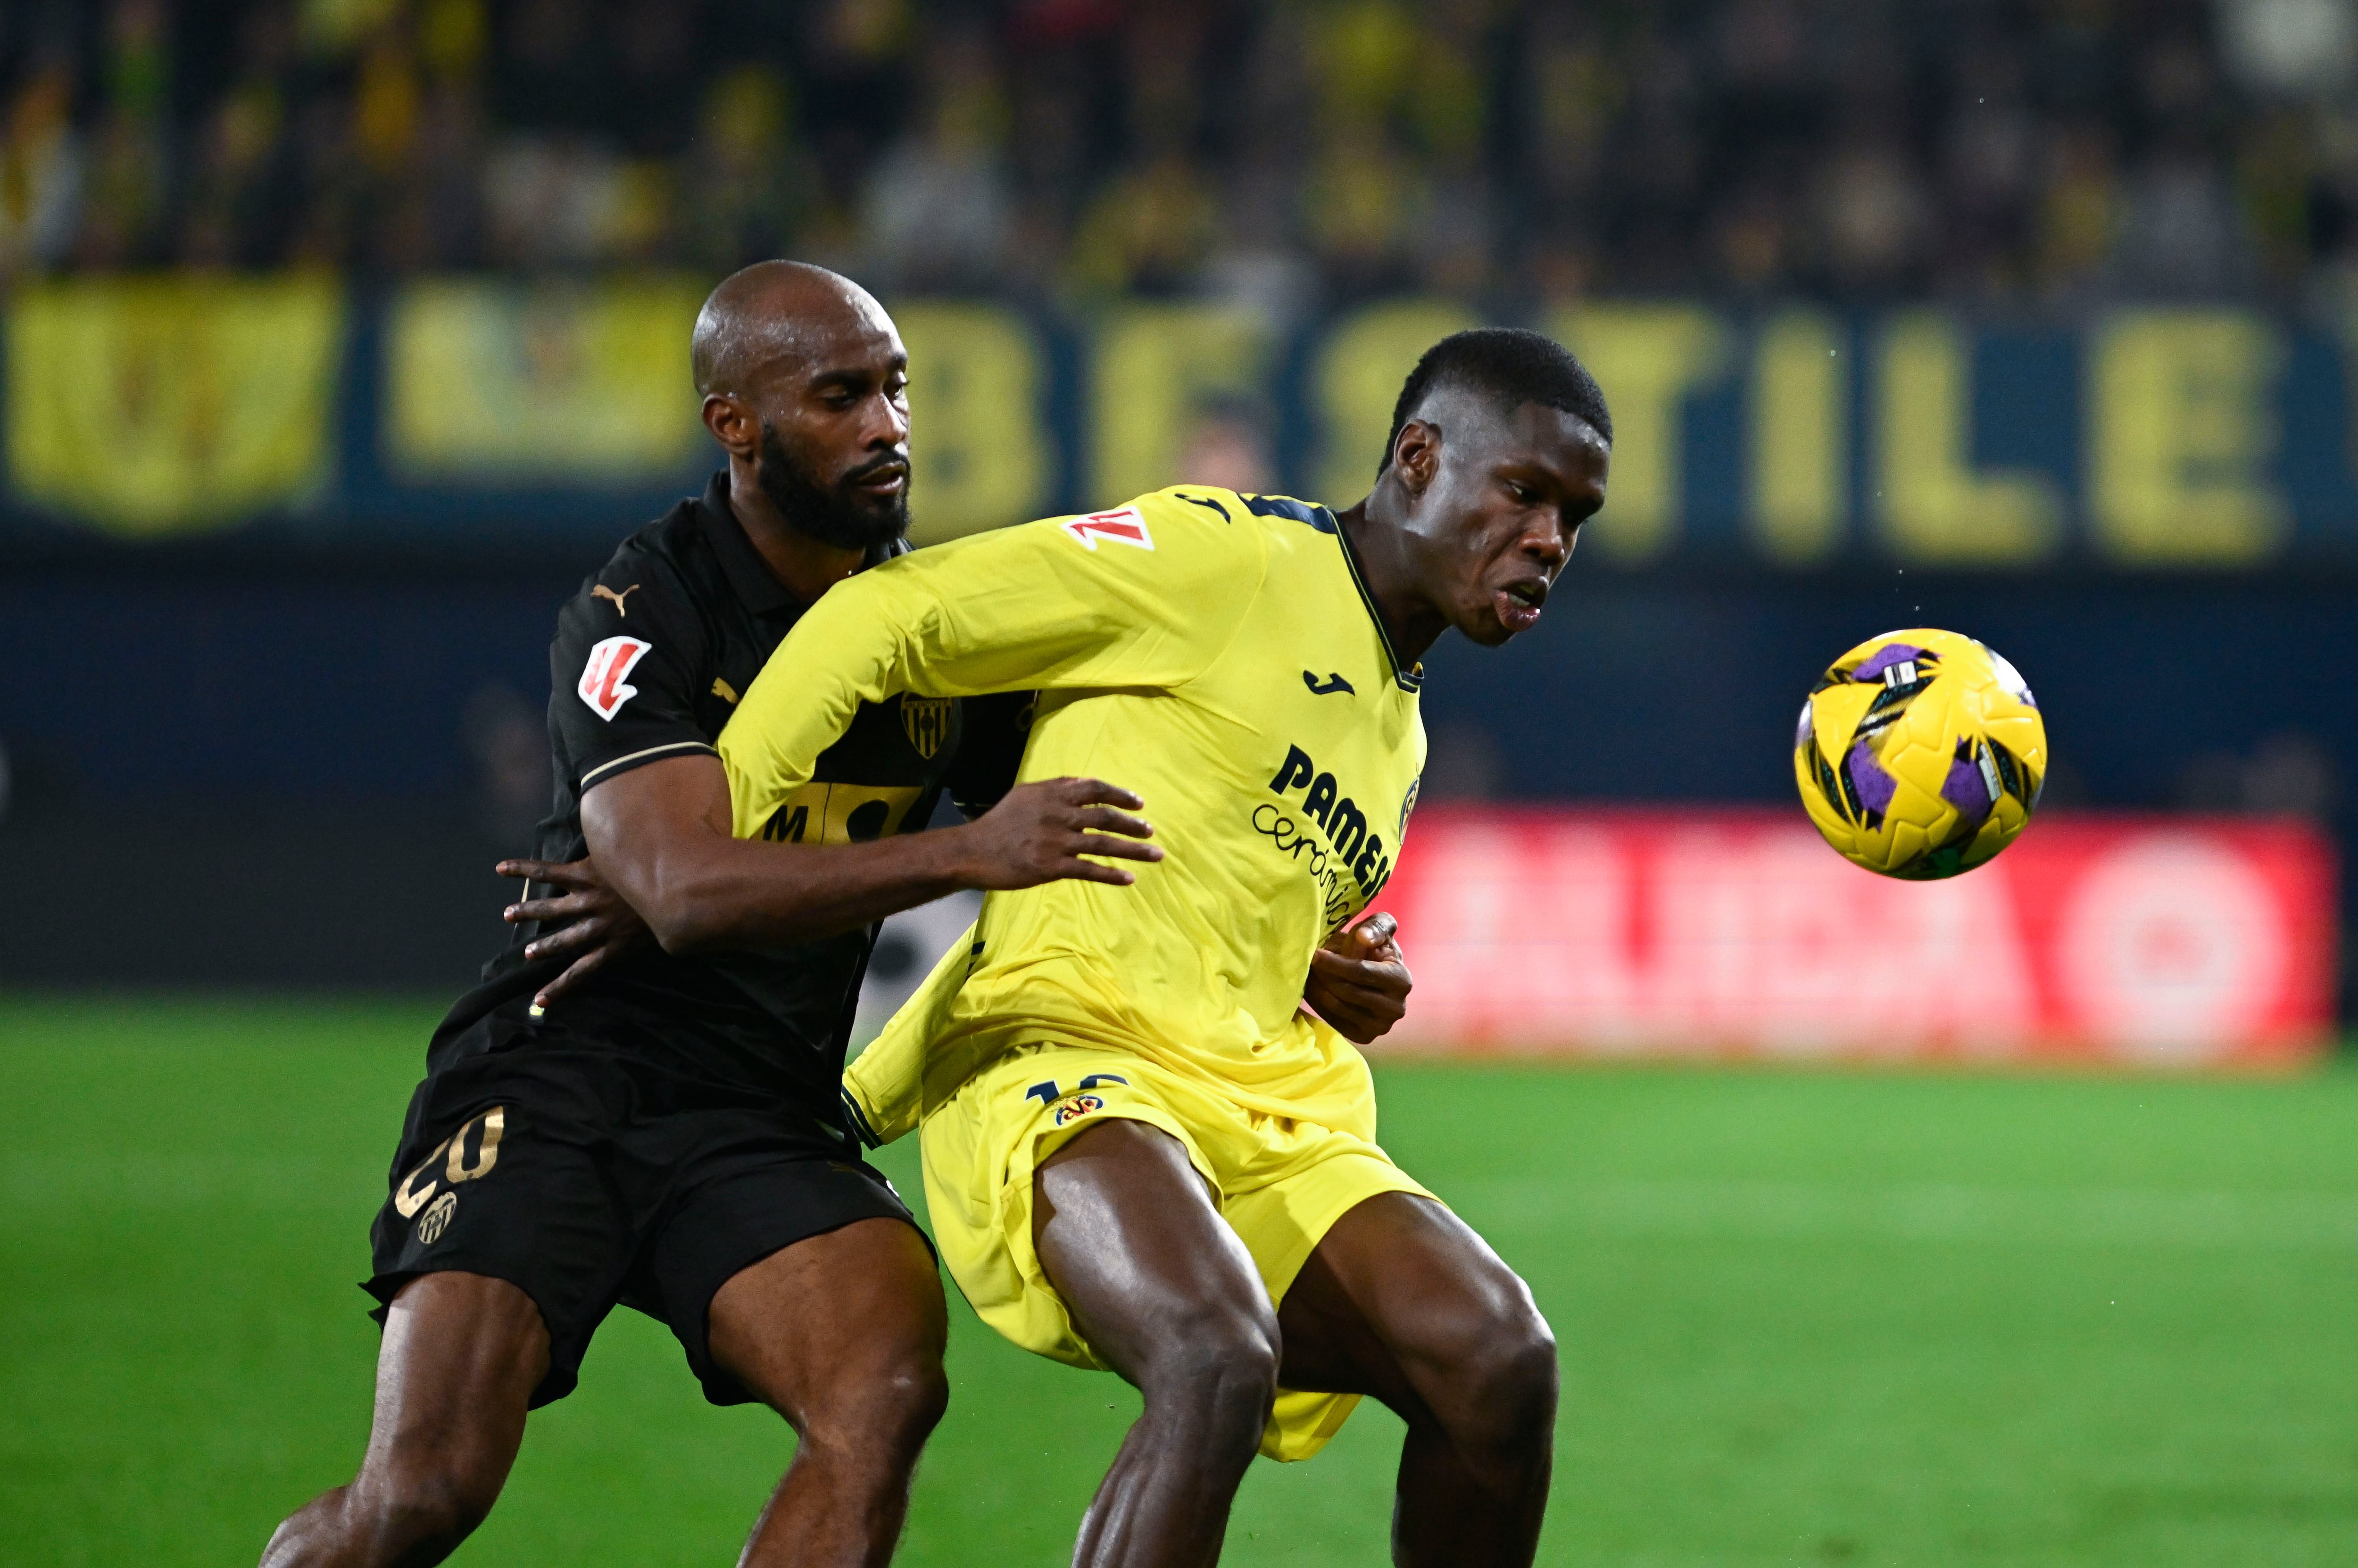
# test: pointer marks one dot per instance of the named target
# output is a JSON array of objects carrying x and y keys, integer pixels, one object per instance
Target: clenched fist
[{"x": 1358, "y": 981}]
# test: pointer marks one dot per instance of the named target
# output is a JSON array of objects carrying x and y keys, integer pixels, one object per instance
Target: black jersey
[{"x": 649, "y": 660}]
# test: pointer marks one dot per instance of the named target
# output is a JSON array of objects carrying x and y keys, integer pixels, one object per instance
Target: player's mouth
[
  {"x": 885, "y": 477},
  {"x": 1517, "y": 605}
]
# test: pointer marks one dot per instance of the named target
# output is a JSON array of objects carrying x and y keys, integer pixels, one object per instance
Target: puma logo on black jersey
[
  {"x": 1327, "y": 688},
  {"x": 602, "y": 591}
]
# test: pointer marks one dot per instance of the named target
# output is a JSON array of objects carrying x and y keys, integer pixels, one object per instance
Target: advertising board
[{"x": 2170, "y": 941}]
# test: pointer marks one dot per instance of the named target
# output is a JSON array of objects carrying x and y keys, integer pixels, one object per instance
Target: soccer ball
[{"x": 1919, "y": 754}]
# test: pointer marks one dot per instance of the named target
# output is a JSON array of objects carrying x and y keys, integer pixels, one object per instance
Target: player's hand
[
  {"x": 1359, "y": 981},
  {"x": 596, "y": 922},
  {"x": 1039, "y": 832}
]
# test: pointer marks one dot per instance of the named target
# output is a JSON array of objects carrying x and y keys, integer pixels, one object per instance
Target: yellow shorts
[{"x": 1282, "y": 1184}]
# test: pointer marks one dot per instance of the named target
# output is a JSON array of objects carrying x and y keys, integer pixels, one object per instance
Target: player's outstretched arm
[
  {"x": 659, "y": 837},
  {"x": 1358, "y": 981}
]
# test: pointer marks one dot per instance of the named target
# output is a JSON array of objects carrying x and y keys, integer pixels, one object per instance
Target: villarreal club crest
[{"x": 1919, "y": 754}]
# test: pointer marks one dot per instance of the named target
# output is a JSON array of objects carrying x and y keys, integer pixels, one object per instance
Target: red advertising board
[{"x": 2163, "y": 941}]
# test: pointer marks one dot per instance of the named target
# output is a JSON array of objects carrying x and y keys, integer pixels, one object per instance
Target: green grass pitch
[{"x": 1806, "y": 1318}]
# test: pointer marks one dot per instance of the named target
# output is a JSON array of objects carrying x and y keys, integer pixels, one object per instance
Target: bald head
[
  {"x": 773, "y": 312},
  {"x": 806, "y": 386}
]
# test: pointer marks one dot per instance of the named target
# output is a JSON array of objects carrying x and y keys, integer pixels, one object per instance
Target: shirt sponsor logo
[
  {"x": 841, "y": 812},
  {"x": 1126, "y": 525},
  {"x": 1340, "y": 821},
  {"x": 602, "y": 686}
]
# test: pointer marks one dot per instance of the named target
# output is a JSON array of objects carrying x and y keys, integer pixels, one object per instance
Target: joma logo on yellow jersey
[{"x": 1338, "y": 816}]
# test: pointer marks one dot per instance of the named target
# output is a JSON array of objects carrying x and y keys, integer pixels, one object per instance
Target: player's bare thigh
[
  {"x": 1395, "y": 1301},
  {"x": 460, "y": 1356},
  {"x": 1403, "y": 1301},
  {"x": 1128, "y": 1232},
  {"x": 843, "y": 1329}
]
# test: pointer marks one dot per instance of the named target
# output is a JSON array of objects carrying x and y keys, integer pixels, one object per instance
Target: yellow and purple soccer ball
[{"x": 1919, "y": 754}]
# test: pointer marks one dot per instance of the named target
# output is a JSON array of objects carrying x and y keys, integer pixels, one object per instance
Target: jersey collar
[
  {"x": 750, "y": 577},
  {"x": 1408, "y": 680}
]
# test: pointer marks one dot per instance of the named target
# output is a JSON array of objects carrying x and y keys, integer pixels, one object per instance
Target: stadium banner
[
  {"x": 988, "y": 455},
  {"x": 489, "y": 382},
  {"x": 2186, "y": 438},
  {"x": 2139, "y": 941},
  {"x": 158, "y": 406}
]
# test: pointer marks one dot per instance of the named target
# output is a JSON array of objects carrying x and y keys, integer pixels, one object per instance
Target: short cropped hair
[{"x": 1510, "y": 367}]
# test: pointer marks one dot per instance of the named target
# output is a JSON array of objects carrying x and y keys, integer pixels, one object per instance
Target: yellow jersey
[{"x": 1220, "y": 655}]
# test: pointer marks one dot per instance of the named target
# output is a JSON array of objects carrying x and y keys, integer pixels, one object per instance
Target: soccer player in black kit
[{"x": 668, "y": 1134}]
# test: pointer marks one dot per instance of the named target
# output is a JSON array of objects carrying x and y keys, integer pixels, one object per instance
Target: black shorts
[{"x": 585, "y": 1180}]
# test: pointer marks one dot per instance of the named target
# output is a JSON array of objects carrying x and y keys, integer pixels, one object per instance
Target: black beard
[{"x": 840, "y": 517}]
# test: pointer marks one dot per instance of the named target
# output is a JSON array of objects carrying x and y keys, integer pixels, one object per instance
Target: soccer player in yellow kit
[{"x": 1140, "y": 1153}]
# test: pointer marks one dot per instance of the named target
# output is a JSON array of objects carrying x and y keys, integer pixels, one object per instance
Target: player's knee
[
  {"x": 1217, "y": 1366},
  {"x": 422, "y": 1514},
  {"x": 912, "y": 1403},
  {"x": 878, "y": 1415},
  {"x": 1230, "y": 1343},
  {"x": 1510, "y": 1383}
]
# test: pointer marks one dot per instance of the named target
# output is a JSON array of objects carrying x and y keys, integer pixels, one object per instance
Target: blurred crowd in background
[
  {"x": 1131, "y": 239},
  {"x": 1296, "y": 155}
]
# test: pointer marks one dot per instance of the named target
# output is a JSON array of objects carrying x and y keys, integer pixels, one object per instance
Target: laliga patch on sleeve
[
  {"x": 1126, "y": 525},
  {"x": 602, "y": 684}
]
